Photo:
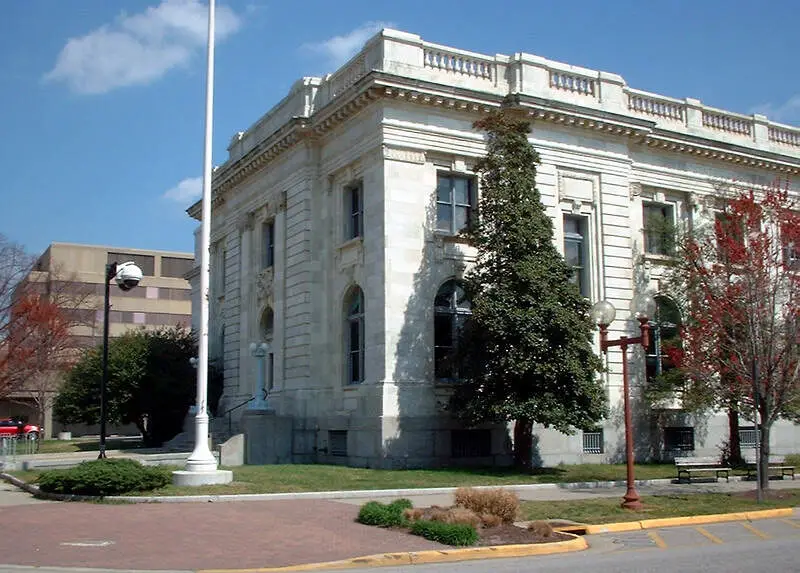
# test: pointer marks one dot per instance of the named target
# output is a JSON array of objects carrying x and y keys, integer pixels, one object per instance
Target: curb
[
  {"x": 688, "y": 520},
  {"x": 37, "y": 493},
  {"x": 426, "y": 557},
  {"x": 373, "y": 493}
]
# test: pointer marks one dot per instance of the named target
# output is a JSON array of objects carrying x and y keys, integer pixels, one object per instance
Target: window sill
[
  {"x": 451, "y": 238},
  {"x": 659, "y": 259}
]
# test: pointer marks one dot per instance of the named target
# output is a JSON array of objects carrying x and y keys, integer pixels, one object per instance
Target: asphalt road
[{"x": 763, "y": 545}]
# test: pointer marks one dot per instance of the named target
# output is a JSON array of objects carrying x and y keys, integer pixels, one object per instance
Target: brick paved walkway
[{"x": 192, "y": 535}]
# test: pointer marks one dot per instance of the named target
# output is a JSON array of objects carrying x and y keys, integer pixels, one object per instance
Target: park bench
[
  {"x": 689, "y": 465},
  {"x": 777, "y": 466}
]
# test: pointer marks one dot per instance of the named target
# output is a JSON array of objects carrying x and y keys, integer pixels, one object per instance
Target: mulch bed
[
  {"x": 505, "y": 534},
  {"x": 512, "y": 535}
]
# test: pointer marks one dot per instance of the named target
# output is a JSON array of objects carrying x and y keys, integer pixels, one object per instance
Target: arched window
[
  {"x": 354, "y": 336},
  {"x": 664, "y": 332},
  {"x": 451, "y": 310},
  {"x": 267, "y": 325}
]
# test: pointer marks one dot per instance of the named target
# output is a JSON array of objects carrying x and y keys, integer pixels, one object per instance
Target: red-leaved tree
[
  {"x": 15, "y": 264},
  {"x": 740, "y": 283}
]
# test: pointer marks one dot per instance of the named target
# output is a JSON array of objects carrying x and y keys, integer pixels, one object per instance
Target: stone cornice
[
  {"x": 376, "y": 86},
  {"x": 700, "y": 147}
]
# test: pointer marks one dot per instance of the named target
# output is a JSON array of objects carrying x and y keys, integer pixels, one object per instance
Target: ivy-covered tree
[
  {"x": 151, "y": 384},
  {"x": 526, "y": 353}
]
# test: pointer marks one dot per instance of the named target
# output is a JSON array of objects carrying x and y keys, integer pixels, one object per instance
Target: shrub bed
[
  {"x": 459, "y": 534},
  {"x": 104, "y": 477},
  {"x": 497, "y": 502},
  {"x": 384, "y": 515}
]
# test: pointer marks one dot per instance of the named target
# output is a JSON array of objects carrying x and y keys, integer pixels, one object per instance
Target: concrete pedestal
[
  {"x": 267, "y": 437},
  {"x": 183, "y": 477}
]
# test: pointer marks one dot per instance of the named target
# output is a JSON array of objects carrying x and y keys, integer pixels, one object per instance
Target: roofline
[{"x": 132, "y": 250}]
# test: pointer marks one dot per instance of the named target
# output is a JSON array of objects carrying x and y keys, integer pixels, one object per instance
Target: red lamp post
[{"x": 603, "y": 314}]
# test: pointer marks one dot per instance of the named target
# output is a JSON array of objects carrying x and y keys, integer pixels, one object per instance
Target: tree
[
  {"x": 526, "y": 352},
  {"x": 15, "y": 264},
  {"x": 740, "y": 282},
  {"x": 42, "y": 348},
  {"x": 151, "y": 383}
]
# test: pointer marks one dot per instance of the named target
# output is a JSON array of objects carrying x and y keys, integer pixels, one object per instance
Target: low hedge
[
  {"x": 104, "y": 477},
  {"x": 458, "y": 534},
  {"x": 384, "y": 515}
]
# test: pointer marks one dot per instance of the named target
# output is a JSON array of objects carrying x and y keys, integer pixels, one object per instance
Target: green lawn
[
  {"x": 86, "y": 445},
  {"x": 300, "y": 478},
  {"x": 316, "y": 477},
  {"x": 607, "y": 510}
]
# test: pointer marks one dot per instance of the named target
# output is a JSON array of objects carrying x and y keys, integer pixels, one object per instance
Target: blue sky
[{"x": 101, "y": 106}]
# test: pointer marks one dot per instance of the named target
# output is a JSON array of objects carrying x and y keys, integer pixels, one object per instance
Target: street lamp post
[
  {"x": 603, "y": 314},
  {"x": 127, "y": 276}
]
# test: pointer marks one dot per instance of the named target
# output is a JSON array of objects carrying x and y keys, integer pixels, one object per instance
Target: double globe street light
[
  {"x": 642, "y": 308},
  {"x": 128, "y": 276}
]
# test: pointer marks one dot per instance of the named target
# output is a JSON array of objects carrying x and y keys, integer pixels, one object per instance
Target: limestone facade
[{"x": 329, "y": 242}]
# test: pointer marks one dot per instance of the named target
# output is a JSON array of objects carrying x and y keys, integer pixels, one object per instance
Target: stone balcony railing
[{"x": 407, "y": 55}]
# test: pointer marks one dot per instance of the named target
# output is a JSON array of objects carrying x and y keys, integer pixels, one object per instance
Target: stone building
[
  {"x": 76, "y": 274},
  {"x": 334, "y": 240}
]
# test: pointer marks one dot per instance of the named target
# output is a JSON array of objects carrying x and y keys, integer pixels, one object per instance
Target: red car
[{"x": 17, "y": 427}]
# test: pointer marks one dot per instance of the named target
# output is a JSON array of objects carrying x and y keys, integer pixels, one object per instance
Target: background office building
[{"x": 74, "y": 275}]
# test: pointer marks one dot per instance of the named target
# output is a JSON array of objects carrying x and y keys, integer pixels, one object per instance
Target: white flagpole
[{"x": 201, "y": 467}]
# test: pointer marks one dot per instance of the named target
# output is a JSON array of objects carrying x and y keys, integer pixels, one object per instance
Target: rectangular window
[
  {"x": 337, "y": 441},
  {"x": 455, "y": 198},
  {"x": 175, "y": 267},
  {"x": 576, "y": 251},
  {"x": 747, "y": 437},
  {"x": 151, "y": 292},
  {"x": 354, "y": 211},
  {"x": 659, "y": 229},
  {"x": 145, "y": 262},
  {"x": 730, "y": 238},
  {"x": 679, "y": 439},
  {"x": 470, "y": 443},
  {"x": 593, "y": 441},
  {"x": 222, "y": 260},
  {"x": 791, "y": 249},
  {"x": 268, "y": 245}
]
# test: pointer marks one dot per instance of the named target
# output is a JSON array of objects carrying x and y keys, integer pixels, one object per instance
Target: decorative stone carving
[
  {"x": 350, "y": 254},
  {"x": 406, "y": 155},
  {"x": 246, "y": 221},
  {"x": 635, "y": 190},
  {"x": 264, "y": 283}
]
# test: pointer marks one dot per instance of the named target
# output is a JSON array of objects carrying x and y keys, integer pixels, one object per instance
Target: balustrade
[
  {"x": 785, "y": 136},
  {"x": 729, "y": 123},
  {"x": 572, "y": 83},
  {"x": 457, "y": 63},
  {"x": 651, "y": 105}
]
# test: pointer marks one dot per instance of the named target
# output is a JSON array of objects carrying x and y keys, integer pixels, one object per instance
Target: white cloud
[
  {"x": 339, "y": 49},
  {"x": 187, "y": 191},
  {"x": 787, "y": 112},
  {"x": 140, "y": 48}
]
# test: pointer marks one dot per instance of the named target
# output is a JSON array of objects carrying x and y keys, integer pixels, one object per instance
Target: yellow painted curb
[
  {"x": 687, "y": 520},
  {"x": 767, "y": 513},
  {"x": 693, "y": 520},
  {"x": 423, "y": 557},
  {"x": 613, "y": 527}
]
